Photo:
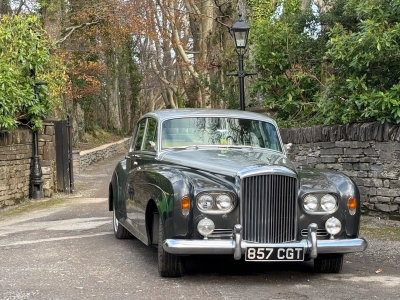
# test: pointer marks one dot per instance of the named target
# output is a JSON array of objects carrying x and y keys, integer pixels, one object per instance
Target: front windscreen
[{"x": 219, "y": 131}]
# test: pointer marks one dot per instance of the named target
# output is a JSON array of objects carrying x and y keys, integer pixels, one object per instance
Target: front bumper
[{"x": 237, "y": 246}]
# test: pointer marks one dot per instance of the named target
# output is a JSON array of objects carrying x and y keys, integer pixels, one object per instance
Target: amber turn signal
[
  {"x": 185, "y": 204},
  {"x": 352, "y": 205}
]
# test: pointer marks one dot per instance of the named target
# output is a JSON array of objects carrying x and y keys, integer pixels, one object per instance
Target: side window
[
  {"x": 273, "y": 139},
  {"x": 139, "y": 135},
  {"x": 150, "y": 140}
]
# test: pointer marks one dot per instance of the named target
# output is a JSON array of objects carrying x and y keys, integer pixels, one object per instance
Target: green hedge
[{"x": 24, "y": 52}]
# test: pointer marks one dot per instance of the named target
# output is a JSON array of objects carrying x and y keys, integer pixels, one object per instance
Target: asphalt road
[{"x": 65, "y": 249}]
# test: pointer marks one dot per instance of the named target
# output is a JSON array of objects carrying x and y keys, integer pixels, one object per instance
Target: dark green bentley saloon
[{"x": 219, "y": 182}]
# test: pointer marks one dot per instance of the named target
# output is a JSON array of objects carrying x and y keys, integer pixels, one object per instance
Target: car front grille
[{"x": 268, "y": 208}]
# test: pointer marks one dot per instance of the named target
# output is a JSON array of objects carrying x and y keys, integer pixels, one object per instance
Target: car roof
[{"x": 166, "y": 114}]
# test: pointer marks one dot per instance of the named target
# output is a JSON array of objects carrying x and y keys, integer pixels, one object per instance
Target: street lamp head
[{"x": 240, "y": 31}]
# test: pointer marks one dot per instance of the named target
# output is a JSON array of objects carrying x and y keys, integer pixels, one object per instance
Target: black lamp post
[
  {"x": 36, "y": 186},
  {"x": 240, "y": 32}
]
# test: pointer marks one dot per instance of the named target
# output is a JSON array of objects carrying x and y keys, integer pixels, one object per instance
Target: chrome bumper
[{"x": 237, "y": 246}]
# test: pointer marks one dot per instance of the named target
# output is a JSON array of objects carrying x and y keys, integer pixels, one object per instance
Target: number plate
[{"x": 274, "y": 254}]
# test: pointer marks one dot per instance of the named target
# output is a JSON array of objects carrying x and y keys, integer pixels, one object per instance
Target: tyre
[
  {"x": 328, "y": 263},
  {"x": 169, "y": 265},
  {"x": 120, "y": 231}
]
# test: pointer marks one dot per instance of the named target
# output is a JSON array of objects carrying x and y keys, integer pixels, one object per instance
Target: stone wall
[
  {"x": 47, "y": 154},
  {"x": 369, "y": 153},
  {"x": 16, "y": 152},
  {"x": 83, "y": 159},
  {"x": 15, "y": 159}
]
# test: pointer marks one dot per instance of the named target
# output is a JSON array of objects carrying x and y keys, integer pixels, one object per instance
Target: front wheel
[
  {"x": 328, "y": 263},
  {"x": 169, "y": 265},
  {"x": 120, "y": 231}
]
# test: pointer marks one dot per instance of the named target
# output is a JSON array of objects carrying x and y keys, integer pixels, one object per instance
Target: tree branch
[{"x": 71, "y": 29}]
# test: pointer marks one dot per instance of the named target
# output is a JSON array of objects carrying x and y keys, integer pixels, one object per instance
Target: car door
[
  {"x": 133, "y": 163},
  {"x": 143, "y": 190}
]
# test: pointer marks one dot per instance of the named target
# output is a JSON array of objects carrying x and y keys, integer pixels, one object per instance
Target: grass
[{"x": 380, "y": 233}]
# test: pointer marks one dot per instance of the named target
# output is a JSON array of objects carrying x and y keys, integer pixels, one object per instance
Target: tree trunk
[
  {"x": 5, "y": 8},
  {"x": 114, "y": 110},
  {"x": 52, "y": 16}
]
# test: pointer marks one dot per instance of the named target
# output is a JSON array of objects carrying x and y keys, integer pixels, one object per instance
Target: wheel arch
[
  {"x": 112, "y": 191},
  {"x": 152, "y": 219}
]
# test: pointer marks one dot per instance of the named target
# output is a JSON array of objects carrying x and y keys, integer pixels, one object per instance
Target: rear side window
[
  {"x": 139, "y": 135},
  {"x": 150, "y": 140}
]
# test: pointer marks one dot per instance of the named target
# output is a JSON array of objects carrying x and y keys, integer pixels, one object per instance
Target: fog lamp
[
  {"x": 333, "y": 226},
  {"x": 205, "y": 227}
]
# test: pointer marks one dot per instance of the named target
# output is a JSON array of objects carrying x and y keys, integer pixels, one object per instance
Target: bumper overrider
[{"x": 237, "y": 246}]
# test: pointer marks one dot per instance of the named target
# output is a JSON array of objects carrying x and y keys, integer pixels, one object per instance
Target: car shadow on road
[{"x": 227, "y": 266}]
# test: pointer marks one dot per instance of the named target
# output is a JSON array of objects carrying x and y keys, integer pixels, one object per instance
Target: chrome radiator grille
[{"x": 268, "y": 208}]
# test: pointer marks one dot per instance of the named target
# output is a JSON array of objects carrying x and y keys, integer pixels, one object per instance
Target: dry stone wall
[
  {"x": 16, "y": 152},
  {"x": 15, "y": 158},
  {"x": 83, "y": 159},
  {"x": 369, "y": 153},
  {"x": 47, "y": 154}
]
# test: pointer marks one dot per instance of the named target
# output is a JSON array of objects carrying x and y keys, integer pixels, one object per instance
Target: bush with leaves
[
  {"x": 335, "y": 64},
  {"x": 365, "y": 80},
  {"x": 25, "y": 52},
  {"x": 288, "y": 52}
]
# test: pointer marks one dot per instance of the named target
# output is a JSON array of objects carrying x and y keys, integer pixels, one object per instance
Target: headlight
[
  {"x": 333, "y": 226},
  {"x": 224, "y": 202},
  {"x": 310, "y": 203},
  {"x": 215, "y": 202},
  {"x": 205, "y": 227},
  {"x": 320, "y": 203},
  {"x": 328, "y": 203},
  {"x": 205, "y": 202}
]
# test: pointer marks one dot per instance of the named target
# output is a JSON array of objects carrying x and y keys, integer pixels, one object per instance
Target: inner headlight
[
  {"x": 205, "y": 202},
  {"x": 333, "y": 226},
  {"x": 328, "y": 203},
  {"x": 224, "y": 202},
  {"x": 310, "y": 203}
]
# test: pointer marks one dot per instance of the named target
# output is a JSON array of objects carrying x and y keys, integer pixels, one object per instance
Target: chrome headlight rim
[
  {"x": 217, "y": 207},
  {"x": 323, "y": 199}
]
